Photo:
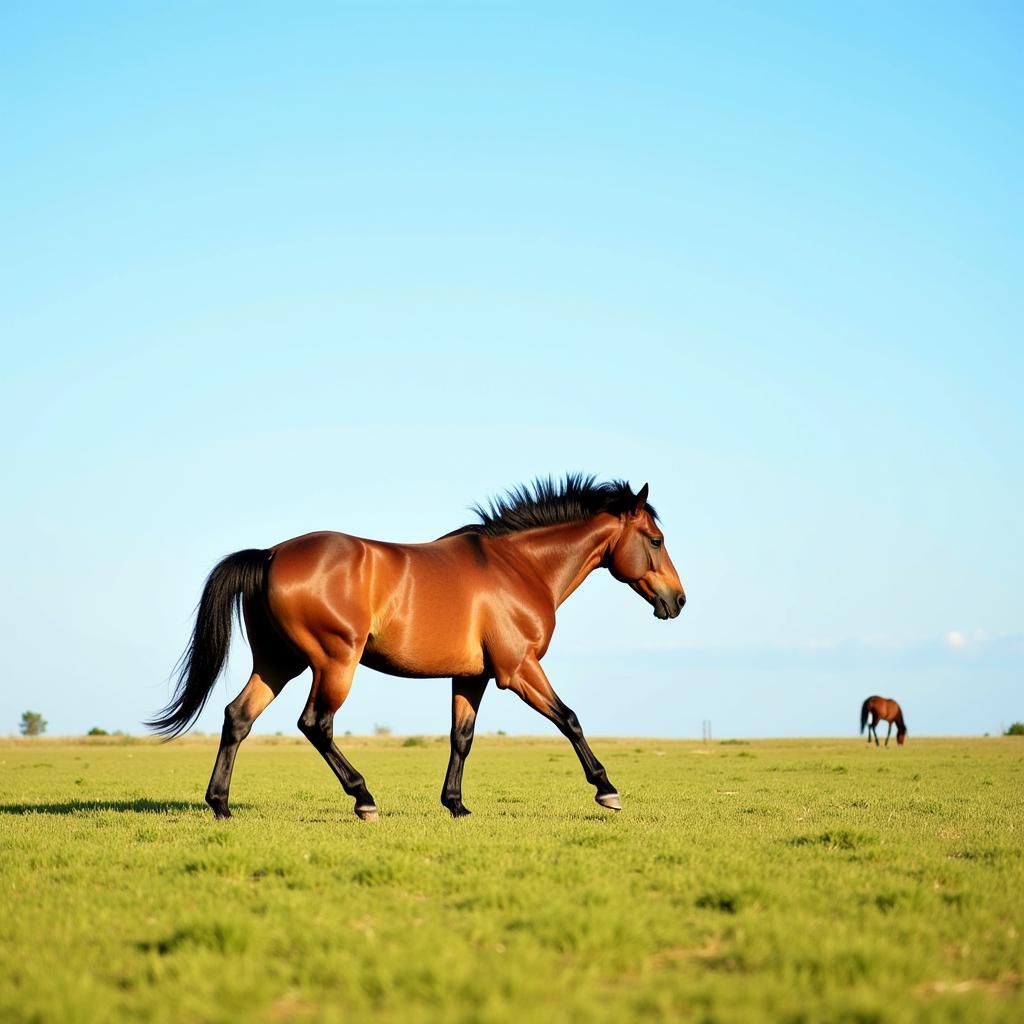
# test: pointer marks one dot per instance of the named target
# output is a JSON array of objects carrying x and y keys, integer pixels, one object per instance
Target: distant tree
[
  {"x": 382, "y": 730},
  {"x": 33, "y": 724},
  {"x": 1017, "y": 729},
  {"x": 97, "y": 731}
]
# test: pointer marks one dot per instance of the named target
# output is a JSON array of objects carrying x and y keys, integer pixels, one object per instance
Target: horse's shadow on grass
[{"x": 141, "y": 805}]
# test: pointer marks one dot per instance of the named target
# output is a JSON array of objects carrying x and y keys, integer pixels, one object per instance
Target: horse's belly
[
  {"x": 429, "y": 626},
  {"x": 422, "y": 659}
]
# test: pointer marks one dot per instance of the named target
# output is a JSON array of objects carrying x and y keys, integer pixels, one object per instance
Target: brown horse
[
  {"x": 881, "y": 709},
  {"x": 477, "y": 604}
]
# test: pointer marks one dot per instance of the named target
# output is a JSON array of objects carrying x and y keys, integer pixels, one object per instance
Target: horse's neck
[{"x": 564, "y": 556}]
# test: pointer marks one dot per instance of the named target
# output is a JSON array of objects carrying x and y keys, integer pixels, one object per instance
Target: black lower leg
[
  {"x": 318, "y": 728},
  {"x": 236, "y": 728},
  {"x": 568, "y": 724},
  {"x": 466, "y": 695},
  {"x": 451, "y": 794}
]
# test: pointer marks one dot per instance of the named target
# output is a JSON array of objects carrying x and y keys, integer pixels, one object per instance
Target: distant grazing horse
[
  {"x": 477, "y": 604},
  {"x": 881, "y": 709}
]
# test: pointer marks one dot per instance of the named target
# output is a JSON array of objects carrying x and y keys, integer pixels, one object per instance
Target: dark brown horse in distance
[
  {"x": 881, "y": 709},
  {"x": 477, "y": 604}
]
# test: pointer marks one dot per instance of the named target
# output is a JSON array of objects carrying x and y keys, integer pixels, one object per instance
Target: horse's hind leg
[
  {"x": 466, "y": 696},
  {"x": 265, "y": 683},
  {"x": 331, "y": 685},
  {"x": 274, "y": 662}
]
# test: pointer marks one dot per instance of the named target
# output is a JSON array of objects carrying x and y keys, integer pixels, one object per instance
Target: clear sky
[{"x": 276, "y": 268}]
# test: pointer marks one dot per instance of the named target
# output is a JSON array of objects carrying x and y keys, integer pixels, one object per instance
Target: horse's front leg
[
  {"x": 531, "y": 683},
  {"x": 888, "y": 734},
  {"x": 467, "y": 693}
]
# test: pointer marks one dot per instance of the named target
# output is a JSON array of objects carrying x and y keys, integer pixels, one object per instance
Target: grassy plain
[{"x": 796, "y": 881}]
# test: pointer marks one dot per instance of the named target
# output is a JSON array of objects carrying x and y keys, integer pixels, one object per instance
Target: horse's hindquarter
[{"x": 317, "y": 591}]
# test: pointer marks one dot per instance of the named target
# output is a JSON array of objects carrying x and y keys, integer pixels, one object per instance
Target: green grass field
[{"x": 778, "y": 880}]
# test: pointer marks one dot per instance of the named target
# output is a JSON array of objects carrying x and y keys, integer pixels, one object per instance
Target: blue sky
[{"x": 272, "y": 268}]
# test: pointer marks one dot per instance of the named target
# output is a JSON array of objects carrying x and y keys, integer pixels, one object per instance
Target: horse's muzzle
[{"x": 668, "y": 608}]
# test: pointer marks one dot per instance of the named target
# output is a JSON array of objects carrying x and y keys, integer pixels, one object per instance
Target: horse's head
[{"x": 638, "y": 557}]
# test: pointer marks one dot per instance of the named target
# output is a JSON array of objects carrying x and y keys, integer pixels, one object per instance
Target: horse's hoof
[
  {"x": 367, "y": 812},
  {"x": 609, "y": 800}
]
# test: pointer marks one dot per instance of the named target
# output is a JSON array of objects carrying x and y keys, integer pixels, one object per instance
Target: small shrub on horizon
[
  {"x": 381, "y": 730},
  {"x": 1017, "y": 729},
  {"x": 32, "y": 724},
  {"x": 97, "y": 731}
]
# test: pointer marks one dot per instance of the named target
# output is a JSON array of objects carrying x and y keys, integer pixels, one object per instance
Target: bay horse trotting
[
  {"x": 881, "y": 709},
  {"x": 477, "y": 604}
]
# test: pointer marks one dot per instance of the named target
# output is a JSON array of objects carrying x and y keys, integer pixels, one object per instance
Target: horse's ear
[{"x": 641, "y": 500}]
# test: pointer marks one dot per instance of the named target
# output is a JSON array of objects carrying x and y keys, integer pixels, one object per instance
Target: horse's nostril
[{"x": 682, "y": 600}]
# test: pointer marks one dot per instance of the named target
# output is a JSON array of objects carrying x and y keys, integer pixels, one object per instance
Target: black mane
[{"x": 548, "y": 502}]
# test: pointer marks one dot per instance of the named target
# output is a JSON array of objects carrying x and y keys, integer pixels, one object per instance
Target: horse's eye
[{"x": 655, "y": 542}]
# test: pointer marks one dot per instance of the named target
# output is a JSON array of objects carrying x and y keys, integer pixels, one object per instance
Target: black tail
[
  {"x": 864, "y": 715},
  {"x": 235, "y": 579}
]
